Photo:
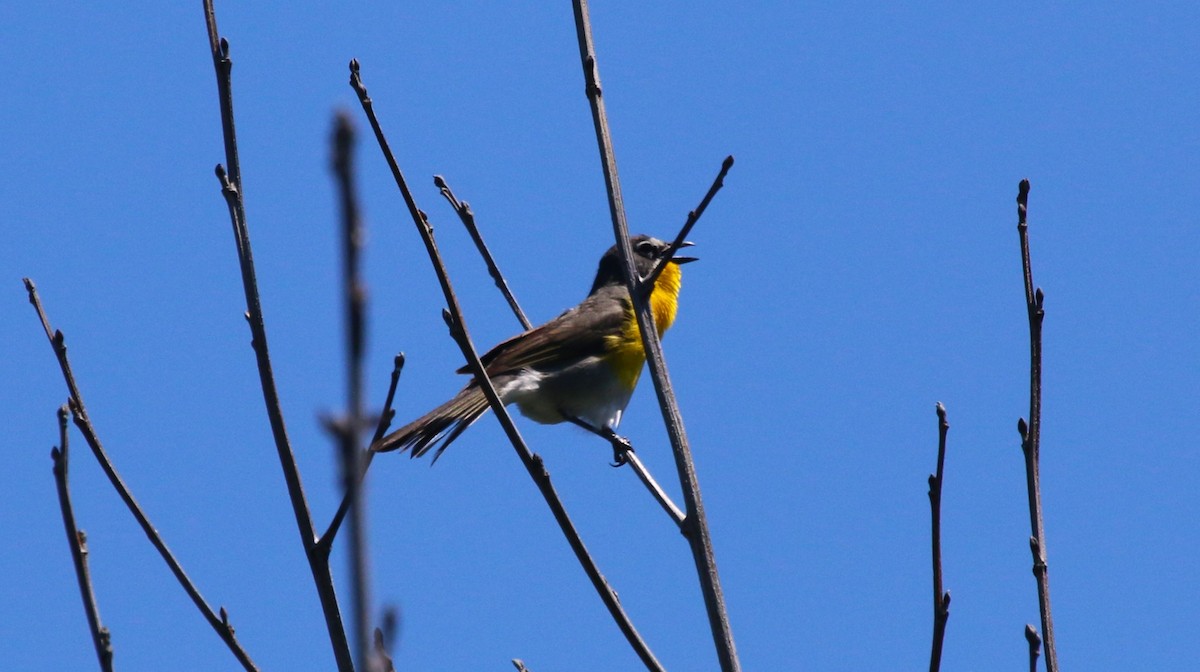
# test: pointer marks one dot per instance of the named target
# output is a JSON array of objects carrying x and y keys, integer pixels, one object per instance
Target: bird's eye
[{"x": 647, "y": 249}]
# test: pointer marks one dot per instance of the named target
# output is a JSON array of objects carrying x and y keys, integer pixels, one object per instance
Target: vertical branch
[
  {"x": 1031, "y": 432},
  {"x": 941, "y": 597},
  {"x": 350, "y": 434},
  {"x": 77, "y": 540},
  {"x": 84, "y": 423},
  {"x": 696, "y": 526},
  {"x": 231, "y": 189},
  {"x": 533, "y": 463}
]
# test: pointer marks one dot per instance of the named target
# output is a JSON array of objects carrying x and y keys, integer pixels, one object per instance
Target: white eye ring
[{"x": 647, "y": 248}]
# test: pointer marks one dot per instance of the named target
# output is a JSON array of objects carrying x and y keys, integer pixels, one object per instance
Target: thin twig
[
  {"x": 77, "y": 540},
  {"x": 941, "y": 597},
  {"x": 468, "y": 219},
  {"x": 698, "y": 535},
  {"x": 655, "y": 489},
  {"x": 533, "y": 463},
  {"x": 350, "y": 434},
  {"x": 692, "y": 218},
  {"x": 79, "y": 412},
  {"x": 1031, "y": 433},
  {"x": 385, "y": 421},
  {"x": 623, "y": 454},
  {"x": 231, "y": 188},
  {"x": 1035, "y": 645},
  {"x": 520, "y": 665}
]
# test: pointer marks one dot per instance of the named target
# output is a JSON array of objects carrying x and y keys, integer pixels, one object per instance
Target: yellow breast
[{"x": 627, "y": 354}]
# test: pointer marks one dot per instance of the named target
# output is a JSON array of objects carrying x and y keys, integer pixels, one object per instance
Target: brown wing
[{"x": 575, "y": 335}]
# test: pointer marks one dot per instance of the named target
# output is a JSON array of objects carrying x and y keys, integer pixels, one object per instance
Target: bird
[{"x": 580, "y": 367}]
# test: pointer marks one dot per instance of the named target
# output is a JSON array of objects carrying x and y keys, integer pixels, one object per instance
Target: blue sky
[{"x": 860, "y": 265}]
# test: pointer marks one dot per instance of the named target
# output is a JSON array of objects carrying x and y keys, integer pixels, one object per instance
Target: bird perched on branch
[{"x": 580, "y": 367}]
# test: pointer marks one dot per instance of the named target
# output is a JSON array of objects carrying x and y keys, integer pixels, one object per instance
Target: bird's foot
[{"x": 621, "y": 447}]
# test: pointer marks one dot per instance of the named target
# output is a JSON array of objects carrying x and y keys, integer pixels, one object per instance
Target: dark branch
[
  {"x": 349, "y": 438},
  {"x": 692, "y": 218},
  {"x": 941, "y": 597},
  {"x": 698, "y": 535},
  {"x": 1031, "y": 432},
  {"x": 77, "y": 540},
  {"x": 84, "y": 423},
  {"x": 385, "y": 420},
  {"x": 231, "y": 188},
  {"x": 533, "y": 463},
  {"x": 468, "y": 219}
]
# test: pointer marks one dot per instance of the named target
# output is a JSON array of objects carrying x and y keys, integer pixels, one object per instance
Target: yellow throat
[{"x": 627, "y": 356}]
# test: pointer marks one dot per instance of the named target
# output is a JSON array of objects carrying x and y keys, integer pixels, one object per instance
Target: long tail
[{"x": 443, "y": 424}]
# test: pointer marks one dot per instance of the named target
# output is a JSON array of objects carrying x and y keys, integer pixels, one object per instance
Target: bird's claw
[{"x": 621, "y": 449}]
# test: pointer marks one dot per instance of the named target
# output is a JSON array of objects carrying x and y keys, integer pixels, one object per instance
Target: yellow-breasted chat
[{"x": 581, "y": 366}]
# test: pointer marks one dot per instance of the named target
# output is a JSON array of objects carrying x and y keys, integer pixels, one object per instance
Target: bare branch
[
  {"x": 623, "y": 454},
  {"x": 698, "y": 536},
  {"x": 941, "y": 597},
  {"x": 1031, "y": 433},
  {"x": 231, "y": 187},
  {"x": 77, "y": 540},
  {"x": 520, "y": 665},
  {"x": 385, "y": 420},
  {"x": 533, "y": 463},
  {"x": 84, "y": 423},
  {"x": 692, "y": 218},
  {"x": 468, "y": 219},
  {"x": 349, "y": 432}
]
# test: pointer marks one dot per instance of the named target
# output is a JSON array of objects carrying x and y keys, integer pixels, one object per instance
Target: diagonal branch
[
  {"x": 57, "y": 341},
  {"x": 1031, "y": 433},
  {"x": 533, "y": 463},
  {"x": 385, "y": 420},
  {"x": 468, "y": 219},
  {"x": 696, "y": 528},
  {"x": 77, "y": 539},
  {"x": 941, "y": 597},
  {"x": 692, "y": 218},
  {"x": 231, "y": 188}
]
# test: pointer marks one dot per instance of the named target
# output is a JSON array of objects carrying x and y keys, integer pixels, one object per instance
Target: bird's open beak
[{"x": 684, "y": 260}]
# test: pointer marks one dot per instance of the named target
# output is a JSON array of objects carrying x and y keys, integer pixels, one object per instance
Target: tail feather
[{"x": 441, "y": 425}]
